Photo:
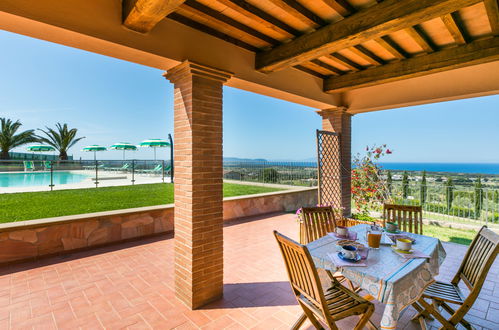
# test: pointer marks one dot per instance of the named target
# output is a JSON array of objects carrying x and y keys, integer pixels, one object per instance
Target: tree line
[
  {"x": 62, "y": 138},
  {"x": 477, "y": 195}
]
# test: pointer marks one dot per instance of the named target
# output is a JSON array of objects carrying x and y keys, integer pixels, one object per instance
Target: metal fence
[
  {"x": 42, "y": 175},
  {"x": 456, "y": 203},
  {"x": 281, "y": 173}
]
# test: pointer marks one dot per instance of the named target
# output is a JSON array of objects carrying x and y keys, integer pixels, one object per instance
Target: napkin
[
  {"x": 342, "y": 263},
  {"x": 414, "y": 255}
]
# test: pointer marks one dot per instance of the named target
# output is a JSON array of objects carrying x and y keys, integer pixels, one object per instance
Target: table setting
[{"x": 392, "y": 266}]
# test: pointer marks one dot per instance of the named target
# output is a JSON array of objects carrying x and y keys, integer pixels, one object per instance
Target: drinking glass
[{"x": 373, "y": 238}]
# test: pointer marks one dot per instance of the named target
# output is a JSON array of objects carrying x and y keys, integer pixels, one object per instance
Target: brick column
[
  {"x": 340, "y": 121},
  {"x": 198, "y": 182}
]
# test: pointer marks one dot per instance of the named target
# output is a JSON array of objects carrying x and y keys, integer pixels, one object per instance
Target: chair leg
[
  {"x": 421, "y": 313},
  {"x": 299, "y": 322},
  {"x": 365, "y": 317},
  {"x": 311, "y": 317},
  {"x": 451, "y": 311},
  {"x": 430, "y": 309}
]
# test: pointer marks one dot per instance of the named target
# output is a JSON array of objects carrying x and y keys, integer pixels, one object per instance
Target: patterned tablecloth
[{"x": 391, "y": 279}]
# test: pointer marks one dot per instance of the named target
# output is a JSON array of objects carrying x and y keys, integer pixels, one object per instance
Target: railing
[
  {"x": 40, "y": 175},
  {"x": 36, "y": 175},
  {"x": 281, "y": 173},
  {"x": 457, "y": 203}
]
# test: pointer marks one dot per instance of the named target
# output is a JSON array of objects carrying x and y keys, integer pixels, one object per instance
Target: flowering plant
[{"x": 369, "y": 190}]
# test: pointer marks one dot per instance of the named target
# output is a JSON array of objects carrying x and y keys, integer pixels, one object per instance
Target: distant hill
[{"x": 235, "y": 159}]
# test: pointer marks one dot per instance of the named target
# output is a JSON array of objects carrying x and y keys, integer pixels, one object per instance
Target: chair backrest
[
  {"x": 409, "y": 218},
  {"x": 301, "y": 271},
  {"x": 478, "y": 260},
  {"x": 316, "y": 222}
]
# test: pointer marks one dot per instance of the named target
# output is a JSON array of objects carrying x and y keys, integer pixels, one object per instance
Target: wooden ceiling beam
[
  {"x": 367, "y": 55},
  {"x": 328, "y": 67},
  {"x": 297, "y": 10},
  {"x": 477, "y": 52},
  {"x": 143, "y": 15},
  {"x": 230, "y": 21},
  {"x": 211, "y": 31},
  {"x": 457, "y": 32},
  {"x": 342, "y": 7},
  {"x": 345, "y": 61},
  {"x": 390, "y": 46},
  {"x": 421, "y": 39},
  {"x": 381, "y": 19},
  {"x": 260, "y": 16},
  {"x": 492, "y": 9}
]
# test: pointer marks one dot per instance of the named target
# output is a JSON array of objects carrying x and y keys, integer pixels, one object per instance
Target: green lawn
[
  {"x": 36, "y": 205},
  {"x": 454, "y": 235}
]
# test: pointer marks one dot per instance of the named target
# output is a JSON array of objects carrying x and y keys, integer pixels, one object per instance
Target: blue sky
[{"x": 110, "y": 100}]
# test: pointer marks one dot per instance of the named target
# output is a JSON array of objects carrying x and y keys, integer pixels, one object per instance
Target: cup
[
  {"x": 373, "y": 238},
  {"x": 363, "y": 252},
  {"x": 391, "y": 226},
  {"x": 404, "y": 244},
  {"x": 349, "y": 251},
  {"x": 342, "y": 231}
]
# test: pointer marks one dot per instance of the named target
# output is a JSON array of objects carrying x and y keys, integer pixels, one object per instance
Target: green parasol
[
  {"x": 40, "y": 148},
  {"x": 155, "y": 143},
  {"x": 94, "y": 148},
  {"x": 123, "y": 146}
]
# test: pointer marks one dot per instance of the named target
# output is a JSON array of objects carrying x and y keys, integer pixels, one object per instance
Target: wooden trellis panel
[{"x": 329, "y": 168}]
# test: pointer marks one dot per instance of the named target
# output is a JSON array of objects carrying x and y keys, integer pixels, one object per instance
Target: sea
[{"x": 477, "y": 168}]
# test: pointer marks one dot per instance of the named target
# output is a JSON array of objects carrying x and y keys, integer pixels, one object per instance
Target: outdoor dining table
[{"x": 390, "y": 278}]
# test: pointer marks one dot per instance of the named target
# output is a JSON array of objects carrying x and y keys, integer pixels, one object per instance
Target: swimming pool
[{"x": 29, "y": 179}]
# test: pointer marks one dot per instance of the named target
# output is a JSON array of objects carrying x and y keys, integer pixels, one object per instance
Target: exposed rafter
[
  {"x": 142, "y": 15},
  {"x": 492, "y": 8},
  {"x": 387, "y": 43},
  {"x": 374, "y": 22},
  {"x": 205, "y": 10},
  {"x": 421, "y": 39},
  {"x": 478, "y": 52},
  {"x": 367, "y": 55},
  {"x": 260, "y": 16},
  {"x": 297, "y": 10},
  {"x": 342, "y": 7},
  {"x": 451, "y": 22}
]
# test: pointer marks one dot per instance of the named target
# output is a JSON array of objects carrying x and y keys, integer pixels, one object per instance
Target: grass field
[
  {"x": 36, "y": 205},
  {"x": 454, "y": 235}
]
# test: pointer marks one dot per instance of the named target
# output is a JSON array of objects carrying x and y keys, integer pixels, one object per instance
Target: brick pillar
[
  {"x": 340, "y": 121},
  {"x": 198, "y": 182}
]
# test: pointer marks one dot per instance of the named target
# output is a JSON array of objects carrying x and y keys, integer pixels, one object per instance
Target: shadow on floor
[
  {"x": 75, "y": 255},
  {"x": 256, "y": 294}
]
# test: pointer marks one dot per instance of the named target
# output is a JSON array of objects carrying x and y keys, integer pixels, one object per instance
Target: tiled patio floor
[{"x": 130, "y": 286}]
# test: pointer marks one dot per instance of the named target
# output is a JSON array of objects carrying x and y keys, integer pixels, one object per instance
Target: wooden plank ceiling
[{"x": 348, "y": 43}]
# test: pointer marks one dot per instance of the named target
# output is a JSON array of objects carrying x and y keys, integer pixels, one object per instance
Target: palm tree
[
  {"x": 9, "y": 139},
  {"x": 60, "y": 138}
]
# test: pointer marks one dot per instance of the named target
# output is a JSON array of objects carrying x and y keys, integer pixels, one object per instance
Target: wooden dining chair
[
  {"x": 473, "y": 271},
  {"x": 316, "y": 222},
  {"x": 331, "y": 305},
  {"x": 409, "y": 218}
]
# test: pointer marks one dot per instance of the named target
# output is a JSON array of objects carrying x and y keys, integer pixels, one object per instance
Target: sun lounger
[
  {"x": 125, "y": 167},
  {"x": 92, "y": 167},
  {"x": 155, "y": 170},
  {"x": 28, "y": 165},
  {"x": 47, "y": 165}
]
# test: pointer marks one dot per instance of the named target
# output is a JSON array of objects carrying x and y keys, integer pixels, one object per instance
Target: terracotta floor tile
[{"x": 131, "y": 286}]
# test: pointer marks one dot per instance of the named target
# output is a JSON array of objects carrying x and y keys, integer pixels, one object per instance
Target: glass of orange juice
[{"x": 373, "y": 238}]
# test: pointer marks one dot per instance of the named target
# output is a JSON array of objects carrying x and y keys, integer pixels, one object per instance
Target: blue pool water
[{"x": 39, "y": 179}]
